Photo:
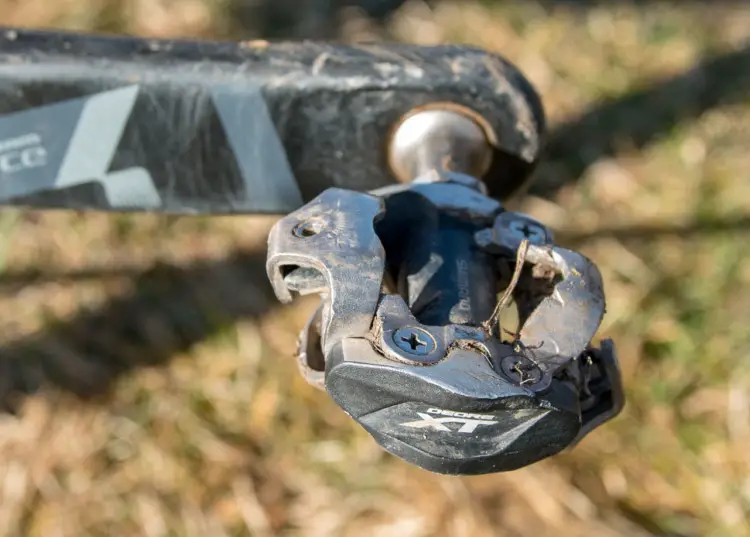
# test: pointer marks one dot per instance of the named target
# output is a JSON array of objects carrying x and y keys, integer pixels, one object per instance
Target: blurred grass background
[{"x": 146, "y": 376}]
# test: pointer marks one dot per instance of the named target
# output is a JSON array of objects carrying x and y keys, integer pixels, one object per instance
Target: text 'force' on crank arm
[
  {"x": 407, "y": 338},
  {"x": 122, "y": 124}
]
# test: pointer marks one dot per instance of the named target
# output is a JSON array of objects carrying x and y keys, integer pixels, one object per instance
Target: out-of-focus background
[{"x": 146, "y": 379}]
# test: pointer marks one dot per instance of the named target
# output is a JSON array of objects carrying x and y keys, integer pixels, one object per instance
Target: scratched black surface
[{"x": 332, "y": 107}]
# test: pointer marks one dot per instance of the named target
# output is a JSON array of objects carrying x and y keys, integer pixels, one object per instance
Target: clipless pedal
[{"x": 413, "y": 278}]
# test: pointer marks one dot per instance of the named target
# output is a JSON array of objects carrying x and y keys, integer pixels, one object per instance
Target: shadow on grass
[
  {"x": 641, "y": 118},
  {"x": 651, "y": 232},
  {"x": 171, "y": 309}
]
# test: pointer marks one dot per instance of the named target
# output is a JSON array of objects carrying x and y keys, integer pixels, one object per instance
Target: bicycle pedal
[{"x": 407, "y": 338}]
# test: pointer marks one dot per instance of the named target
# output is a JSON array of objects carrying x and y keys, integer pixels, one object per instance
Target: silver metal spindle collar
[{"x": 438, "y": 140}]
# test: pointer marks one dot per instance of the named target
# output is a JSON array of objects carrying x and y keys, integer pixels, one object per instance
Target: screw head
[
  {"x": 521, "y": 370},
  {"x": 414, "y": 340},
  {"x": 527, "y": 230}
]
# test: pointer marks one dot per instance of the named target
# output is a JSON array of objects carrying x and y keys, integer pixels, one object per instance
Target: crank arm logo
[
  {"x": 72, "y": 143},
  {"x": 93, "y": 145}
]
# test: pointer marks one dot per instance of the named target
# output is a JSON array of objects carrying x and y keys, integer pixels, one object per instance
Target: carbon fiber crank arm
[
  {"x": 407, "y": 338},
  {"x": 115, "y": 123}
]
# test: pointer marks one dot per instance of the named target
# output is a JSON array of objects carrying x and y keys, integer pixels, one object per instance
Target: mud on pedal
[{"x": 407, "y": 338}]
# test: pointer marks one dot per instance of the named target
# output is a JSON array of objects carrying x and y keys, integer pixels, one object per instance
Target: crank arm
[
  {"x": 406, "y": 338},
  {"x": 116, "y": 123}
]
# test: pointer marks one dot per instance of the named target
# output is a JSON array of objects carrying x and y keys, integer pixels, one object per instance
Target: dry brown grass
[{"x": 209, "y": 430}]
